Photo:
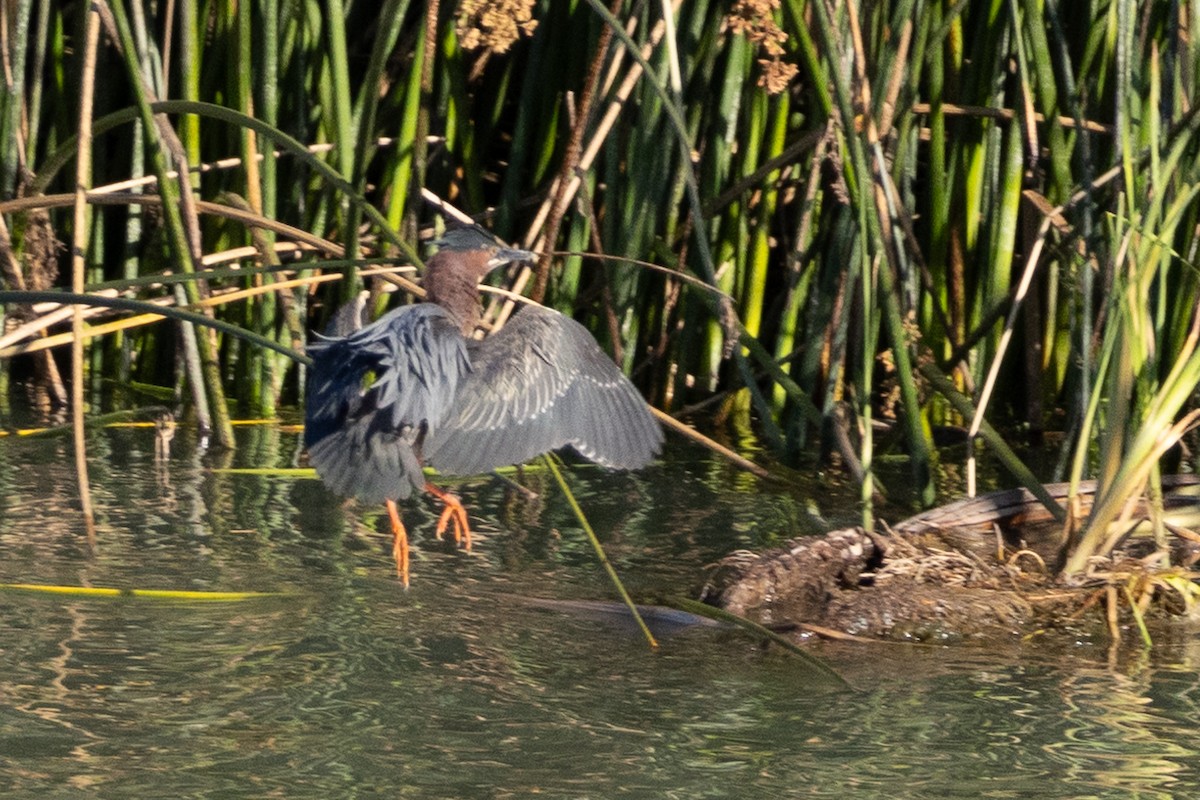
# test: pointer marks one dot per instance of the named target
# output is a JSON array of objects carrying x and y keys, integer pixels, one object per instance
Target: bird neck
[{"x": 455, "y": 290}]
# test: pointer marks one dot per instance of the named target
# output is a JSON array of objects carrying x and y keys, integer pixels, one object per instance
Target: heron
[{"x": 415, "y": 388}]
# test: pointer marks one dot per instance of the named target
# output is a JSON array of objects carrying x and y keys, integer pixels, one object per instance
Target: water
[{"x": 345, "y": 685}]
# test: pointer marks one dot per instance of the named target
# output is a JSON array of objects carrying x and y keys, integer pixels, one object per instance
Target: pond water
[{"x": 471, "y": 684}]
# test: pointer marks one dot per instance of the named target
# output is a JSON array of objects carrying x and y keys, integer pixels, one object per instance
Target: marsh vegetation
[{"x": 854, "y": 229}]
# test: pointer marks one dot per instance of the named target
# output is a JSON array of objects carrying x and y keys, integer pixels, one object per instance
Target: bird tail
[{"x": 373, "y": 465}]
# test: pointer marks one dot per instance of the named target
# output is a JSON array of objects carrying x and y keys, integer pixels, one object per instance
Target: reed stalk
[
  {"x": 81, "y": 228},
  {"x": 599, "y": 549}
]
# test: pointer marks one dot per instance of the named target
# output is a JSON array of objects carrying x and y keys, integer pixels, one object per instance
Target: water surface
[{"x": 346, "y": 685}]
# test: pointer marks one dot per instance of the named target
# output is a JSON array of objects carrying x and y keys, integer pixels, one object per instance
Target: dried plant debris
[
  {"x": 755, "y": 19},
  {"x": 494, "y": 25},
  {"x": 942, "y": 584},
  {"x": 42, "y": 249}
]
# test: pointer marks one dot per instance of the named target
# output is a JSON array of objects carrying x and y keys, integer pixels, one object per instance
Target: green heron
[{"x": 414, "y": 388}]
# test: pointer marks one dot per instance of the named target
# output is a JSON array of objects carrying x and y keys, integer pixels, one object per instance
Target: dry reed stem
[
  {"x": 9, "y": 348},
  {"x": 668, "y": 17},
  {"x": 1008, "y": 115},
  {"x": 203, "y": 206},
  {"x": 1112, "y": 613},
  {"x": 44, "y": 320},
  {"x": 80, "y": 230},
  {"x": 716, "y": 447},
  {"x": 534, "y": 240},
  {"x": 570, "y": 162},
  {"x": 1031, "y": 262},
  {"x": 233, "y": 162}
]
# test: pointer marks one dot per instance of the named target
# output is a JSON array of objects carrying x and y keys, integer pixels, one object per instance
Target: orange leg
[
  {"x": 453, "y": 512},
  {"x": 399, "y": 542}
]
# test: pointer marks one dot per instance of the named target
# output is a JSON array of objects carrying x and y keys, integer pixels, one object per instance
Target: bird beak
[{"x": 504, "y": 255}]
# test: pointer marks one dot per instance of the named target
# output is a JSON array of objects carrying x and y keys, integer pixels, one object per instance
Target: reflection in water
[{"x": 462, "y": 686}]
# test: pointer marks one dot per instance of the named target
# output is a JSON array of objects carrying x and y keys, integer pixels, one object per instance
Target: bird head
[
  {"x": 472, "y": 252},
  {"x": 453, "y": 273}
]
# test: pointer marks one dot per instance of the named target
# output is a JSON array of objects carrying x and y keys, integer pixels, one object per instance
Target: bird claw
[{"x": 452, "y": 512}]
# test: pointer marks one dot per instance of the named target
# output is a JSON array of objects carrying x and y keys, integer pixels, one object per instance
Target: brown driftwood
[{"x": 1010, "y": 507}]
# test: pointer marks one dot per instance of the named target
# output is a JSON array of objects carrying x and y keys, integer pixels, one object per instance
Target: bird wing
[
  {"x": 374, "y": 395},
  {"x": 539, "y": 384}
]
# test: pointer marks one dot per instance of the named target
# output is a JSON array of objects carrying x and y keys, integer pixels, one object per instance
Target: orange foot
[
  {"x": 453, "y": 512},
  {"x": 399, "y": 542}
]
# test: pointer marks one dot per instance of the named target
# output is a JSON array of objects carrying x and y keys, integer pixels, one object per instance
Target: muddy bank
[{"x": 975, "y": 568}]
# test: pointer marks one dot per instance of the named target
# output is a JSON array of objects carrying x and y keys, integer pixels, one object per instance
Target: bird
[{"x": 414, "y": 388}]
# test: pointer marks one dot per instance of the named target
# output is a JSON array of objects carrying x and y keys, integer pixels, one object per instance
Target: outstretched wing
[
  {"x": 539, "y": 384},
  {"x": 374, "y": 395}
]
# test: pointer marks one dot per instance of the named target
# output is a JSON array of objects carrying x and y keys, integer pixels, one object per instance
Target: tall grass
[{"x": 912, "y": 216}]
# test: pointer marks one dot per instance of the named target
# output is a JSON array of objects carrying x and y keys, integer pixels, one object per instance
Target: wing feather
[
  {"x": 540, "y": 384},
  {"x": 375, "y": 395}
]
